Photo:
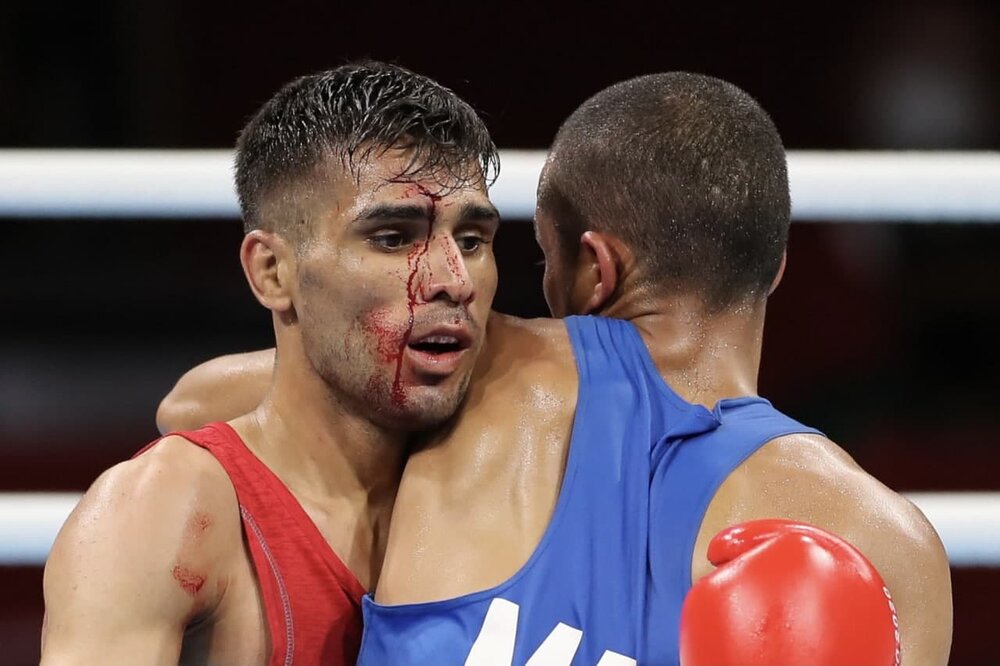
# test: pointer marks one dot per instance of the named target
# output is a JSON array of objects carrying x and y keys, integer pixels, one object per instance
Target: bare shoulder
[
  {"x": 809, "y": 478},
  {"x": 529, "y": 356},
  {"x": 147, "y": 551},
  {"x": 172, "y": 494},
  {"x": 174, "y": 472},
  {"x": 541, "y": 340},
  {"x": 523, "y": 393},
  {"x": 542, "y": 330}
]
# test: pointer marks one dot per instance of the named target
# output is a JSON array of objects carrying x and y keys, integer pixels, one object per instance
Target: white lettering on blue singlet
[{"x": 494, "y": 645}]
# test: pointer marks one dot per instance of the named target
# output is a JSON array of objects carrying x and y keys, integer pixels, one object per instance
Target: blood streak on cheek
[
  {"x": 420, "y": 250},
  {"x": 188, "y": 580},
  {"x": 378, "y": 325}
]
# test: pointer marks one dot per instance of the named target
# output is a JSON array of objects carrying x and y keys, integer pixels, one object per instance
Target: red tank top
[{"x": 312, "y": 600}]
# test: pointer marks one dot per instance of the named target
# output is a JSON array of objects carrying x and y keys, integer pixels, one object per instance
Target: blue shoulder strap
[{"x": 687, "y": 472}]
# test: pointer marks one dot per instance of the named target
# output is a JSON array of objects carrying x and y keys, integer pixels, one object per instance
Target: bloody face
[{"x": 395, "y": 283}]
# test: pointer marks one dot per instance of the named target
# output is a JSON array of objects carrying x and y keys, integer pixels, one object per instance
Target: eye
[
  {"x": 469, "y": 244},
  {"x": 389, "y": 240}
]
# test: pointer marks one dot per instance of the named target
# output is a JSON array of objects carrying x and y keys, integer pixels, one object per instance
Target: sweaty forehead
[
  {"x": 398, "y": 166},
  {"x": 380, "y": 179}
]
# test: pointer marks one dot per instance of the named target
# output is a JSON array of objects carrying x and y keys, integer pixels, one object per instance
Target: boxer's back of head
[
  {"x": 351, "y": 114},
  {"x": 688, "y": 170}
]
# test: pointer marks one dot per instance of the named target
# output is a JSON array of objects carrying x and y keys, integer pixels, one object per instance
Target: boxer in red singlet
[{"x": 363, "y": 192}]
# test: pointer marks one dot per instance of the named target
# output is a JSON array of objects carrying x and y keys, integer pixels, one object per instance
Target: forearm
[{"x": 218, "y": 390}]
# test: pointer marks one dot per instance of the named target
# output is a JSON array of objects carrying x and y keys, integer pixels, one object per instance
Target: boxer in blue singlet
[{"x": 564, "y": 513}]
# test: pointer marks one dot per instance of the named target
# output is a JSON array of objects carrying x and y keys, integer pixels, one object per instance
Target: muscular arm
[
  {"x": 809, "y": 479},
  {"x": 217, "y": 390},
  {"x": 140, "y": 558}
]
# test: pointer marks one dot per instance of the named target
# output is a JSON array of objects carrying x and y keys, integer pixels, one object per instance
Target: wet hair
[
  {"x": 353, "y": 113},
  {"x": 689, "y": 171}
]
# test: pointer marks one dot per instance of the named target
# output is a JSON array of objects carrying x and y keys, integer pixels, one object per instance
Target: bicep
[{"x": 220, "y": 389}]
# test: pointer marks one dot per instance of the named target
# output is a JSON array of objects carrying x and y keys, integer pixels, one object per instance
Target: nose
[{"x": 446, "y": 274}]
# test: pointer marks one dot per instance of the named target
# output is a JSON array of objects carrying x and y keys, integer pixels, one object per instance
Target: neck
[
  {"x": 705, "y": 356},
  {"x": 318, "y": 445}
]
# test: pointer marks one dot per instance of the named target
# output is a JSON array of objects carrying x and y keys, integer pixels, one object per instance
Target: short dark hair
[
  {"x": 688, "y": 170},
  {"x": 353, "y": 112}
]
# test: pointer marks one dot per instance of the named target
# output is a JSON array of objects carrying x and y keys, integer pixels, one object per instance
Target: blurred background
[{"x": 883, "y": 334}]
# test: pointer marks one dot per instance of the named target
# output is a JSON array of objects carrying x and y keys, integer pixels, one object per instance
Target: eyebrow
[
  {"x": 393, "y": 211},
  {"x": 471, "y": 212}
]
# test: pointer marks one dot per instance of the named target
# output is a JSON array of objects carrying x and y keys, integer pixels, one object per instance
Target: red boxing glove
[{"x": 788, "y": 594}]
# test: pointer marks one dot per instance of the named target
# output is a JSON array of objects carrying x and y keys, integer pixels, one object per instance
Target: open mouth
[
  {"x": 438, "y": 350},
  {"x": 439, "y": 344}
]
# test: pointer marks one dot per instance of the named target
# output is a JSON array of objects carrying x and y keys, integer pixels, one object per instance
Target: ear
[
  {"x": 780, "y": 274},
  {"x": 598, "y": 271},
  {"x": 268, "y": 263}
]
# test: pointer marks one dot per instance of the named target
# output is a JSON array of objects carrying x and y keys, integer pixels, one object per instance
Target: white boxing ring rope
[
  {"x": 834, "y": 186},
  {"x": 969, "y": 525},
  {"x": 841, "y": 186}
]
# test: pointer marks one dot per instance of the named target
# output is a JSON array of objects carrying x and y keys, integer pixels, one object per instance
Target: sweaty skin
[
  {"x": 477, "y": 495},
  {"x": 152, "y": 566}
]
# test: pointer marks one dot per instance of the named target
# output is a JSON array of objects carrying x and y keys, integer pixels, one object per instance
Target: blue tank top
[{"x": 605, "y": 585}]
